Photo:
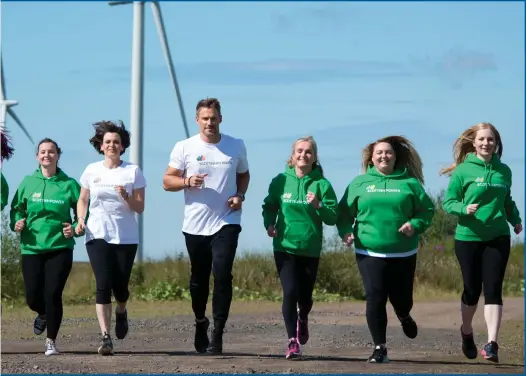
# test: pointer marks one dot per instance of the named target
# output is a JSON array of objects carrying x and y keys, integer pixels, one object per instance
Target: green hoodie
[
  {"x": 375, "y": 206},
  {"x": 5, "y": 192},
  {"x": 299, "y": 225},
  {"x": 46, "y": 204},
  {"x": 489, "y": 185}
]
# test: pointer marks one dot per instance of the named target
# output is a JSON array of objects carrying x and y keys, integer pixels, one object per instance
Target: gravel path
[{"x": 255, "y": 343}]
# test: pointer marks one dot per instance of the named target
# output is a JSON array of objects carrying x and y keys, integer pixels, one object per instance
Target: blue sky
[{"x": 346, "y": 73}]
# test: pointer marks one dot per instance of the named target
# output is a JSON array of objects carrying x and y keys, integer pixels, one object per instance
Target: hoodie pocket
[
  {"x": 490, "y": 217},
  {"x": 300, "y": 235}
]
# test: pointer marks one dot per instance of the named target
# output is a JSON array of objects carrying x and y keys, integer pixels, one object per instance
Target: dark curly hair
[
  {"x": 103, "y": 127},
  {"x": 7, "y": 146}
]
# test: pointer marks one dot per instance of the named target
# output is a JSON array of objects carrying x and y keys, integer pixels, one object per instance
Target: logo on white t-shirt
[{"x": 206, "y": 208}]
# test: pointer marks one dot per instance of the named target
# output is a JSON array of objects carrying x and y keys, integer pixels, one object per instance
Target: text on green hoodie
[
  {"x": 375, "y": 206},
  {"x": 46, "y": 204},
  {"x": 299, "y": 225},
  {"x": 489, "y": 186}
]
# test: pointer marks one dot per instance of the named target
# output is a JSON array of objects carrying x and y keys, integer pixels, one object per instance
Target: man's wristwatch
[{"x": 241, "y": 196}]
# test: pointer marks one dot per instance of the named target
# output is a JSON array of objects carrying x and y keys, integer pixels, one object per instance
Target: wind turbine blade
[
  {"x": 156, "y": 8},
  {"x": 112, "y": 3},
  {"x": 2, "y": 79},
  {"x": 17, "y": 120}
]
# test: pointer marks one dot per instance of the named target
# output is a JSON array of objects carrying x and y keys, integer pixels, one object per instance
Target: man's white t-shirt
[
  {"x": 206, "y": 208},
  {"x": 110, "y": 218}
]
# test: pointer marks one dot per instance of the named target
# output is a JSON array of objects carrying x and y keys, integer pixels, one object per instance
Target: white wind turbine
[
  {"x": 6, "y": 104},
  {"x": 137, "y": 86}
]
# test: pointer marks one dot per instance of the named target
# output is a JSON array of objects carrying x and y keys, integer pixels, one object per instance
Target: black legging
[
  {"x": 45, "y": 276},
  {"x": 483, "y": 263},
  {"x": 385, "y": 278},
  {"x": 112, "y": 265},
  {"x": 298, "y": 276}
]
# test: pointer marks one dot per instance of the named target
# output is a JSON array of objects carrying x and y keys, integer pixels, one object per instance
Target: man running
[{"x": 212, "y": 169}]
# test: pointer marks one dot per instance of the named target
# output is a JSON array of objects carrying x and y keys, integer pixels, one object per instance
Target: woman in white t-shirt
[{"x": 115, "y": 192}]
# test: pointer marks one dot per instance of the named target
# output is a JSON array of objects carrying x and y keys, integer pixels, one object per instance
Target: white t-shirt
[
  {"x": 110, "y": 218},
  {"x": 206, "y": 208}
]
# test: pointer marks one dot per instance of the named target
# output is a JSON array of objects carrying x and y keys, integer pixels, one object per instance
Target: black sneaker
[
  {"x": 201, "y": 340},
  {"x": 379, "y": 355},
  {"x": 121, "y": 324},
  {"x": 491, "y": 352},
  {"x": 106, "y": 345},
  {"x": 216, "y": 345},
  {"x": 39, "y": 325},
  {"x": 469, "y": 348},
  {"x": 409, "y": 327}
]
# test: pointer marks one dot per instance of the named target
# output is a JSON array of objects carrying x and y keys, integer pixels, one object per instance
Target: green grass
[{"x": 256, "y": 279}]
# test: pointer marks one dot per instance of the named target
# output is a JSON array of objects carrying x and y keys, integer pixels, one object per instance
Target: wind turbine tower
[{"x": 137, "y": 87}]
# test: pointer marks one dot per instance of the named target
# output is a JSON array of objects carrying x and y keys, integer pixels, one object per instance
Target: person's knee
[
  {"x": 103, "y": 295},
  {"x": 223, "y": 274},
  {"x": 53, "y": 297},
  {"x": 470, "y": 297},
  {"x": 376, "y": 299},
  {"x": 121, "y": 294},
  {"x": 32, "y": 302}
]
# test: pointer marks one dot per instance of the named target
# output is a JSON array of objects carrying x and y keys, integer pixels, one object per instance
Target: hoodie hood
[
  {"x": 400, "y": 173},
  {"x": 476, "y": 163},
  {"x": 314, "y": 175},
  {"x": 58, "y": 177}
]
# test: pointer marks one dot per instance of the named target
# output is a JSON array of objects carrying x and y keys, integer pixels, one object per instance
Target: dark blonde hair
[
  {"x": 464, "y": 145},
  {"x": 316, "y": 164},
  {"x": 405, "y": 153}
]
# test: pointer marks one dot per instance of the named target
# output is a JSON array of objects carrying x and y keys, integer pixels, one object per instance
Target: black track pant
[
  {"x": 483, "y": 263},
  {"x": 45, "y": 276},
  {"x": 298, "y": 276},
  {"x": 112, "y": 265},
  {"x": 386, "y": 278},
  {"x": 213, "y": 253}
]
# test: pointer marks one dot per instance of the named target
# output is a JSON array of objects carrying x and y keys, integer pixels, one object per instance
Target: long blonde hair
[
  {"x": 316, "y": 164},
  {"x": 405, "y": 153},
  {"x": 464, "y": 145}
]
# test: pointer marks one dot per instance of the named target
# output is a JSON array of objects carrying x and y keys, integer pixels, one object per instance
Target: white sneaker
[{"x": 51, "y": 348}]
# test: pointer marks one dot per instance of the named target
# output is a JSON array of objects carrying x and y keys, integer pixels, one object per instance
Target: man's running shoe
[{"x": 201, "y": 340}]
